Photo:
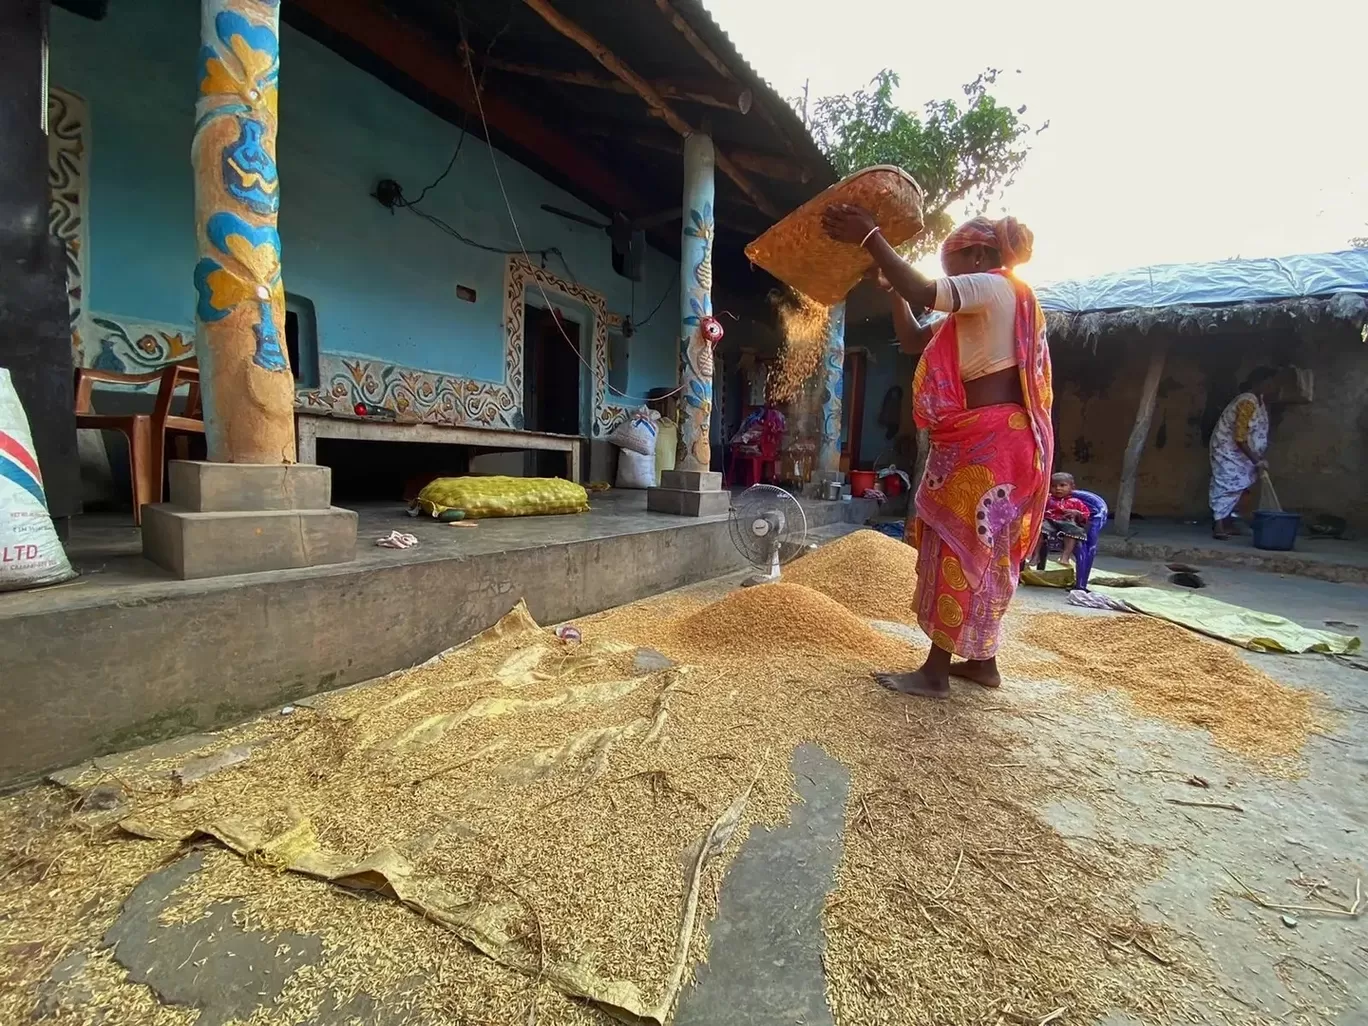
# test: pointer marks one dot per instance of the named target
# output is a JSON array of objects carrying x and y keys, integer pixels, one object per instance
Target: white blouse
[{"x": 984, "y": 308}]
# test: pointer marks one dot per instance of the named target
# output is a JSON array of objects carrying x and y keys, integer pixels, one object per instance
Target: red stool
[{"x": 754, "y": 469}]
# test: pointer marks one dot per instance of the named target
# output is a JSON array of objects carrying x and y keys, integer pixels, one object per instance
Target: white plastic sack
[
  {"x": 30, "y": 554},
  {"x": 636, "y": 470},
  {"x": 637, "y": 433}
]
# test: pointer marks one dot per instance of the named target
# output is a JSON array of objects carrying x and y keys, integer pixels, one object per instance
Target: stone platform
[{"x": 125, "y": 654}]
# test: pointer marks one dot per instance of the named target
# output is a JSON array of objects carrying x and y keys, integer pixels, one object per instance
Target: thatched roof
[
  {"x": 1222, "y": 297},
  {"x": 1189, "y": 319}
]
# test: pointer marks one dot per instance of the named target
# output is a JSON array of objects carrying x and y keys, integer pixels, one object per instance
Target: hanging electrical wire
[
  {"x": 460, "y": 141},
  {"x": 669, "y": 291},
  {"x": 465, "y": 116},
  {"x": 517, "y": 232},
  {"x": 437, "y": 222}
]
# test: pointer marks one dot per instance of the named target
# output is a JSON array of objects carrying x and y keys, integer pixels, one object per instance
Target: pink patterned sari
[{"x": 982, "y": 498}]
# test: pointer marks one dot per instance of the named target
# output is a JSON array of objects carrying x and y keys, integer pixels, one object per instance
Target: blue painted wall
[
  {"x": 384, "y": 284},
  {"x": 883, "y": 370}
]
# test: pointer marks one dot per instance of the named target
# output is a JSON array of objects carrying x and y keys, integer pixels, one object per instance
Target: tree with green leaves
[{"x": 958, "y": 152}]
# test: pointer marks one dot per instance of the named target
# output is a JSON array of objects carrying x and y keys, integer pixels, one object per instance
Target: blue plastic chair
[{"x": 1086, "y": 550}]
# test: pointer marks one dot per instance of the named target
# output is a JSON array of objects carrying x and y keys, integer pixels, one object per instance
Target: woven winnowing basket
[{"x": 798, "y": 252}]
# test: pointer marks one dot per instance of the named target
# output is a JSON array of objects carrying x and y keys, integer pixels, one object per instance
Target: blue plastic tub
[{"x": 1275, "y": 531}]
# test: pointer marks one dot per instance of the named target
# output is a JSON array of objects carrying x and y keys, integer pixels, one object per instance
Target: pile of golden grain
[
  {"x": 869, "y": 573},
  {"x": 755, "y": 623},
  {"x": 550, "y": 790}
]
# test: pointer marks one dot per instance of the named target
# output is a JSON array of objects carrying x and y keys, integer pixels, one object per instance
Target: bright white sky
[{"x": 1179, "y": 130}]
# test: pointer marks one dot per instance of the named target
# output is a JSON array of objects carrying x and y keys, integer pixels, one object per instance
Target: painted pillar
[
  {"x": 833, "y": 368},
  {"x": 248, "y": 389},
  {"x": 695, "y": 291}
]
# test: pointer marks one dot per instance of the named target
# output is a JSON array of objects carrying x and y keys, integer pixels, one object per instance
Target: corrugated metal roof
[{"x": 707, "y": 26}]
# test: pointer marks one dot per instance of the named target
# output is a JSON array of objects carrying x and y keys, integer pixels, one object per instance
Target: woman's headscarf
[{"x": 1012, "y": 239}]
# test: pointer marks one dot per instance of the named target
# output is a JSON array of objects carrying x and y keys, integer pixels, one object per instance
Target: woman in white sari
[{"x": 1238, "y": 446}]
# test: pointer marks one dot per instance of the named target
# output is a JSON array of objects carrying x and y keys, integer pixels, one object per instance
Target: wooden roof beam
[
  {"x": 695, "y": 40},
  {"x": 780, "y": 169},
  {"x": 726, "y": 97},
  {"x": 441, "y": 72},
  {"x": 647, "y": 92},
  {"x": 720, "y": 66}
]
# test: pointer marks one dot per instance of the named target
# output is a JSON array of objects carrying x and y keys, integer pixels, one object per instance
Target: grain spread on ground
[
  {"x": 869, "y": 573},
  {"x": 533, "y": 812},
  {"x": 1170, "y": 672}
]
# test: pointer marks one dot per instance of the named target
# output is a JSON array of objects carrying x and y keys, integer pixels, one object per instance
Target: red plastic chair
[{"x": 755, "y": 468}]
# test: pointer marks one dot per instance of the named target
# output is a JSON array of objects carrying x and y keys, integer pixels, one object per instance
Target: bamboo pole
[
  {"x": 701, "y": 48},
  {"x": 647, "y": 92},
  {"x": 1135, "y": 446}
]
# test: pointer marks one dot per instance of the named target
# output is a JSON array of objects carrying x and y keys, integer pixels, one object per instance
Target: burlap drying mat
[{"x": 287, "y": 840}]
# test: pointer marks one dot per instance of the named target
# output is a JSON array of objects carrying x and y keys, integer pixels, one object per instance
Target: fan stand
[
  {"x": 763, "y": 578},
  {"x": 768, "y": 527}
]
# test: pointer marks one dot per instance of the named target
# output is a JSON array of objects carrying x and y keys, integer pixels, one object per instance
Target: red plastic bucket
[{"x": 861, "y": 481}]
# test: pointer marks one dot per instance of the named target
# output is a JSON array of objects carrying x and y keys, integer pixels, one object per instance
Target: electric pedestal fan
[{"x": 769, "y": 528}]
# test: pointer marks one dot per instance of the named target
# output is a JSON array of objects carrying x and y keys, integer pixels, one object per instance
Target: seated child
[{"x": 1066, "y": 517}]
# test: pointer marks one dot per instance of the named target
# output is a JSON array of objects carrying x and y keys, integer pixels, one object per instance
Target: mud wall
[{"x": 1318, "y": 452}]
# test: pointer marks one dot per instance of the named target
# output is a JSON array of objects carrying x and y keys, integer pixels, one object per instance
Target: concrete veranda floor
[
  {"x": 106, "y": 549},
  {"x": 765, "y": 966}
]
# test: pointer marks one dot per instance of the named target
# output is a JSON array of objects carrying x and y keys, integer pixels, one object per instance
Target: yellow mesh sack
[
  {"x": 482, "y": 497},
  {"x": 798, "y": 252}
]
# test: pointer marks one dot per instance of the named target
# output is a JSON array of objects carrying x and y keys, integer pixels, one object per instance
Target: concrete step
[
  {"x": 195, "y": 545},
  {"x": 1320, "y": 565},
  {"x": 821, "y": 512}
]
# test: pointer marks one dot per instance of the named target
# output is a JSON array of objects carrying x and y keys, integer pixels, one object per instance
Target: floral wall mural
[{"x": 130, "y": 345}]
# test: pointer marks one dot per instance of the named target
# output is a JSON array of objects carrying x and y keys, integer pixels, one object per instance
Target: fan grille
[{"x": 751, "y": 505}]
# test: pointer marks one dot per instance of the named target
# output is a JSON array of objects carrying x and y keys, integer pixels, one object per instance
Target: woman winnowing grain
[{"x": 983, "y": 390}]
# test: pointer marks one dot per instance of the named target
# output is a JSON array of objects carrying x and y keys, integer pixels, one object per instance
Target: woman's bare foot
[
  {"x": 931, "y": 681},
  {"x": 918, "y": 683},
  {"x": 983, "y": 672}
]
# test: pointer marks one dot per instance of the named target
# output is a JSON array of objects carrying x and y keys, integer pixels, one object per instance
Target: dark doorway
[
  {"x": 301, "y": 340},
  {"x": 852, "y": 407},
  {"x": 551, "y": 383}
]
